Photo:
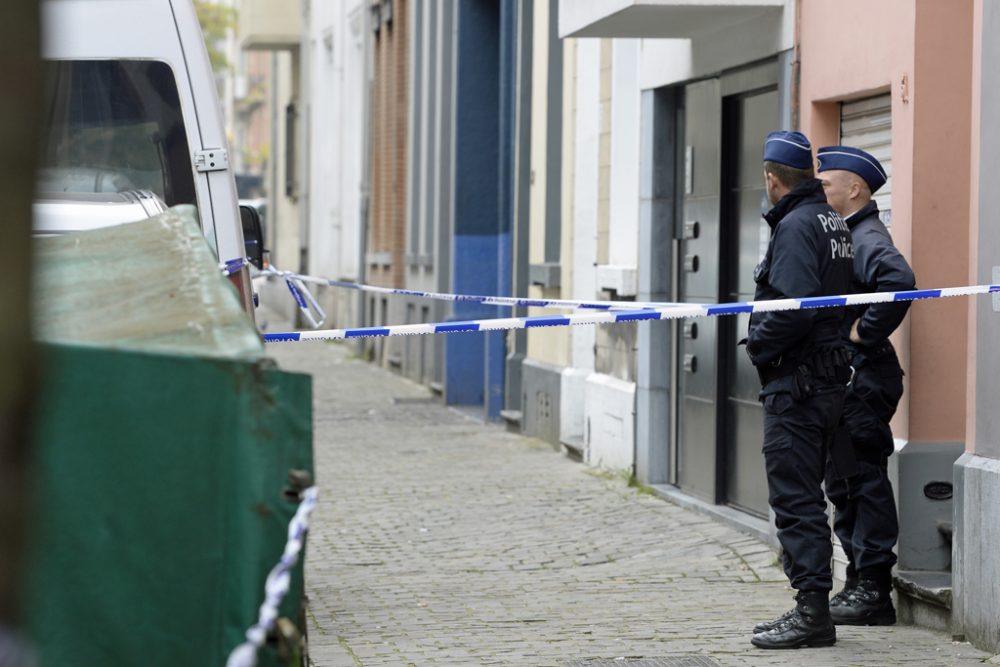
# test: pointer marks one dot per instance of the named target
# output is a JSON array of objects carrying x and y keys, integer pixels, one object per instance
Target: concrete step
[{"x": 924, "y": 598}]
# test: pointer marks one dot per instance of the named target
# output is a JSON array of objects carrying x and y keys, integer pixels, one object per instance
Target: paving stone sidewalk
[{"x": 439, "y": 540}]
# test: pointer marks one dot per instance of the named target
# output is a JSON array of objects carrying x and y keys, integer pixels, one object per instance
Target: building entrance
[{"x": 723, "y": 237}]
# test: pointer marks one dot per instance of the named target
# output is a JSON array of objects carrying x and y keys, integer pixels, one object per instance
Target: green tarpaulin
[{"x": 162, "y": 445}]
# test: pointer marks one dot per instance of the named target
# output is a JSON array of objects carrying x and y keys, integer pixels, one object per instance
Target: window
[{"x": 114, "y": 125}]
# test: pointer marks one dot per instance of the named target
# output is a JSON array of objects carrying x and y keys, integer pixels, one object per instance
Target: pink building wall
[
  {"x": 975, "y": 123},
  {"x": 920, "y": 51}
]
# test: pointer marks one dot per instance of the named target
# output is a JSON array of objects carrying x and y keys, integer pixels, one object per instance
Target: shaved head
[{"x": 846, "y": 192}]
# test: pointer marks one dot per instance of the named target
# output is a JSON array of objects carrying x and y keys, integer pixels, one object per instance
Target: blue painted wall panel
[
  {"x": 481, "y": 259},
  {"x": 474, "y": 271}
]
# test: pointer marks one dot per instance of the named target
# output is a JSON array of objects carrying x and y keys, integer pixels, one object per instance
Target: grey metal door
[
  {"x": 697, "y": 441},
  {"x": 746, "y": 121}
]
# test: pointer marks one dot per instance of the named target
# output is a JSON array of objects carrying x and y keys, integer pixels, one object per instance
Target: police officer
[
  {"x": 865, "y": 511},
  {"x": 803, "y": 368}
]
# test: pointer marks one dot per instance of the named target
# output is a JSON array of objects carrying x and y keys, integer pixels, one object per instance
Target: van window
[{"x": 114, "y": 125}]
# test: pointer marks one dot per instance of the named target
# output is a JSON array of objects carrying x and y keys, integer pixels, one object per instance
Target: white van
[{"x": 131, "y": 105}]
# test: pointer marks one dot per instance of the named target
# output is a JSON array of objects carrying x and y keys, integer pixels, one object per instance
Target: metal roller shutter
[{"x": 867, "y": 124}]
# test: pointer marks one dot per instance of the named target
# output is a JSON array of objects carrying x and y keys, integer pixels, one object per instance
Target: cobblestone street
[{"x": 442, "y": 541}]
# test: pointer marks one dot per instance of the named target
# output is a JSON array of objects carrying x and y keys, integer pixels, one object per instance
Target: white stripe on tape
[
  {"x": 677, "y": 311},
  {"x": 473, "y": 298}
]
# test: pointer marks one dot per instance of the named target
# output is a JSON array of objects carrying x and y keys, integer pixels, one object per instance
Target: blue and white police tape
[
  {"x": 303, "y": 297},
  {"x": 472, "y": 298},
  {"x": 233, "y": 266},
  {"x": 670, "y": 313},
  {"x": 306, "y": 301},
  {"x": 276, "y": 585}
]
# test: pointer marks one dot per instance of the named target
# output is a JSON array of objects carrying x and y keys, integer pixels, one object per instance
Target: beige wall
[
  {"x": 920, "y": 51},
  {"x": 539, "y": 132},
  {"x": 604, "y": 155},
  {"x": 568, "y": 167},
  {"x": 549, "y": 345},
  {"x": 283, "y": 212}
]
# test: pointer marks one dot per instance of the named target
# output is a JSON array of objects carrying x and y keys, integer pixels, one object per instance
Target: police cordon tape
[
  {"x": 276, "y": 585},
  {"x": 305, "y": 301},
  {"x": 677, "y": 311},
  {"x": 471, "y": 298},
  {"x": 232, "y": 266},
  {"x": 303, "y": 297}
]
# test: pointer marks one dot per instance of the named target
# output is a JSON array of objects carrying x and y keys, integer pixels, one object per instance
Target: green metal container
[
  {"x": 161, "y": 498},
  {"x": 159, "y": 487}
]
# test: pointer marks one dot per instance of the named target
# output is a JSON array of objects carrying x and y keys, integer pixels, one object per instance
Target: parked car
[
  {"x": 131, "y": 107},
  {"x": 62, "y": 212}
]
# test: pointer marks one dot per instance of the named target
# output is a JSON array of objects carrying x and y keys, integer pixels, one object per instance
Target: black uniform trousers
[
  {"x": 865, "y": 518},
  {"x": 797, "y": 435}
]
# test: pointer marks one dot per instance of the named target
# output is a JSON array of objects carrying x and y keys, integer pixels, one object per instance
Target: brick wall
[{"x": 387, "y": 231}]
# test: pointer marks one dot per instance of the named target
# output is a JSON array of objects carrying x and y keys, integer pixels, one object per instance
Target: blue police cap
[
  {"x": 854, "y": 160},
  {"x": 788, "y": 148}
]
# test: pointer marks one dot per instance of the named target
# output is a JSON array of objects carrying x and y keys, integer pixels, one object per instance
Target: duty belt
[{"x": 831, "y": 366}]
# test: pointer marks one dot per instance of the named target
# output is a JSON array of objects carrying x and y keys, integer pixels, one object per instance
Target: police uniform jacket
[
  {"x": 810, "y": 254},
  {"x": 878, "y": 267}
]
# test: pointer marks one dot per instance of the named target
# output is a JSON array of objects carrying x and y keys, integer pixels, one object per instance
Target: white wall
[
  {"x": 610, "y": 431},
  {"x": 623, "y": 242},
  {"x": 585, "y": 190},
  {"x": 669, "y": 61},
  {"x": 335, "y": 90},
  {"x": 596, "y": 410}
]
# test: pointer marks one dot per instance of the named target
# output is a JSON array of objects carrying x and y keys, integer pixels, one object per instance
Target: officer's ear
[{"x": 856, "y": 188}]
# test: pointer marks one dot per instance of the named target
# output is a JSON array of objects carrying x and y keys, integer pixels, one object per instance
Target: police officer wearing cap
[
  {"x": 803, "y": 368},
  {"x": 865, "y": 511}
]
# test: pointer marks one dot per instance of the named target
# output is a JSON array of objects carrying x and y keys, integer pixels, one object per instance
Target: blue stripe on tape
[
  {"x": 456, "y": 326},
  {"x": 637, "y": 315},
  {"x": 234, "y": 265},
  {"x": 730, "y": 309},
  {"x": 299, "y": 299},
  {"x": 594, "y": 306},
  {"x": 546, "y": 322},
  {"x": 362, "y": 333},
  {"x": 282, "y": 337},
  {"x": 917, "y": 294},
  {"x": 823, "y": 301}
]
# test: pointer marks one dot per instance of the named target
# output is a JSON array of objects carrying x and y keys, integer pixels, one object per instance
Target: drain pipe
[
  {"x": 796, "y": 65},
  {"x": 366, "y": 162}
]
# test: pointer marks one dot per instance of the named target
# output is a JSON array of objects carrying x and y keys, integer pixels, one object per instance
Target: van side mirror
[{"x": 253, "y": 235}]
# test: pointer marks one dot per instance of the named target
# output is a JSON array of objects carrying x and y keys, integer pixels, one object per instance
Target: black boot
[
  {"x": 837, "y": 600},
  {"x": 764, "y": 626},
  {"x": 841, "y": 597},
  {"x": 868, "y": 604},
  {"x": 808, "y": 625}
]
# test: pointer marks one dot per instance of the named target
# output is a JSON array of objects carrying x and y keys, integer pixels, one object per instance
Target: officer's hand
[
  {"x": 855, "y": 338},
  {"x": 750, "y": 355}
]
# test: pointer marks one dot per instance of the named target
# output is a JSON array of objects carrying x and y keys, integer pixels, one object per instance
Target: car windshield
[{"x": 114, "y": 125}]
